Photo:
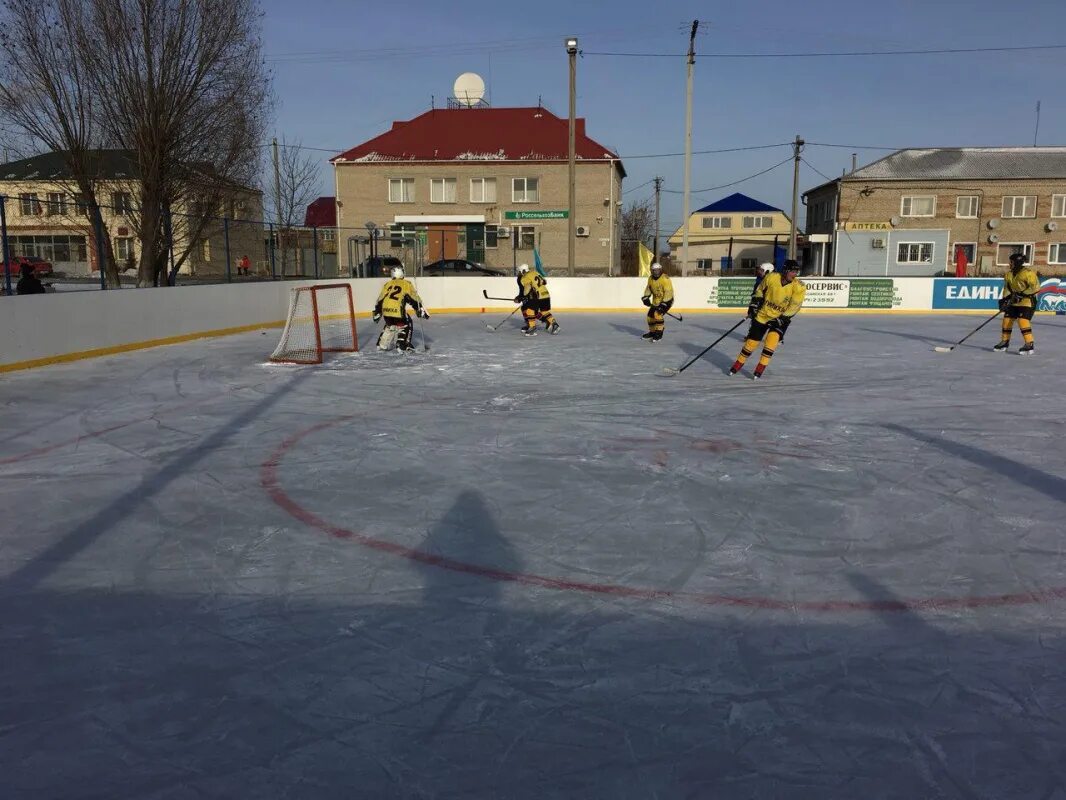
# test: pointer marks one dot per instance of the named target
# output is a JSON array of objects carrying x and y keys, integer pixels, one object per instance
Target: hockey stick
[
  {"x": 693, "y": 360},
  {"x": 505, "y": 299},
  {"x": 678, "y": 317},
  {"x": 942, "y": 349},
  {"x": 494, "y": 328},
  {"x": 422, "y": 330}
]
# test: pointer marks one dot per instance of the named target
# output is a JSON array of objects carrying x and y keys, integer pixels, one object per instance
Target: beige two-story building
[
  {"x": 917, "y": 211},
  {"x": 734, "y": 234},
  {"x": 484, "y": 184},
  {"x": 48, "y": 218}
]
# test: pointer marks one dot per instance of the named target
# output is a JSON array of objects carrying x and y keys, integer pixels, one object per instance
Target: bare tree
[
  {"x": 638, "y": 225},
  {"x": 299, "y": 182},
  {"x": 47, "y": 96},
  {"x": 182, "y": 84}
]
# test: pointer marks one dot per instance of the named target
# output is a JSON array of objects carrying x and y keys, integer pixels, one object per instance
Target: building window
[
  {"x": 969, "y": 249},
  {"x": 442, "y": 190},
  {"x": 482, "y": 190},
  {"x": 56, "y": 204},
  {"x": 749, "y": 263},
  {"x": 525, "y": 190},
  {"x": 124, "y": 249},
  {"x": 29, "y": 205},
  {"x": 717, "y": 222},
  {"x": 122, "y": 203},
  {"x": 401, "y": 190},
  {"x": 1019, "y": 206},
  {"x": 526, "y": 237},
  {"x": 81, "y": 207},
  {"x": 328, "y": 234},
  {"x": 704, "y": 263},
  {"x": 967, "y": 206},
  {"x": 400, "y": 235},
  {"x": 1005, "y": 251},
  {"x": 758, "y": 222},
  {"x": 1056, "y": 254},
  {"x": 915, "y": 253},
  {"x": 492, "y": 240},
  {"x": 1058, "y": 205},
  {"x": 917, "y": 206}
]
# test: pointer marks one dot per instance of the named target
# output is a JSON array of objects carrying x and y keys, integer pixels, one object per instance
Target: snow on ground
[{"x": 538, "y": 568}]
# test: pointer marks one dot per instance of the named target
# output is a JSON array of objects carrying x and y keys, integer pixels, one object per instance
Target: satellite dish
[
  {"x": 895, "y": 221},
  {"x": 469, "y": 89},
  {"x": 993, "y": 224}
]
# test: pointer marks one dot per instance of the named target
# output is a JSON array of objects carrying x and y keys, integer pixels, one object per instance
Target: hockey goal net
[{"x": 321, "y": 320}]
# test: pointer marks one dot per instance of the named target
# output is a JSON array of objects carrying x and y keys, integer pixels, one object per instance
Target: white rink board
[{"x": 56, "y": 326}]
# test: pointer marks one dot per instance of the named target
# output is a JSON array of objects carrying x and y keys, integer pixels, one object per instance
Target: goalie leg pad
[{"x": 387, "y": 338}]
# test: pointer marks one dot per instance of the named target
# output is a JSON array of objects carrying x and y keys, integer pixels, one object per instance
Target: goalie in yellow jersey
[
  {"x": 778, "y": 298},
  {"x": 396, "y": 295},
  {"x": 536, "y": 301},
  {"x": 658, "y": 297}
]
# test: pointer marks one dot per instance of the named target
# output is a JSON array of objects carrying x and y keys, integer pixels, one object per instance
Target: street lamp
[{"x": 571, "y": 231}]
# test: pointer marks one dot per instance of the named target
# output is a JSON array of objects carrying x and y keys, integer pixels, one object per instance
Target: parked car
[
  {"x": 376, "y": 267},
  {"x": 40, "y": 266},
  {"x": 460, "y": 266}
]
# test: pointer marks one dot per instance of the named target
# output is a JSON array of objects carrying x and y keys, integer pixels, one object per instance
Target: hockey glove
[
  {"x": 377, "y": 316},
  {"x": 422, "y": 312},
  {"x": 1004, "y": 303},
  {"x": 646, "y": 301},
  {"x": 780, "y": 324},
  {"x": 662, "y": 308},
  {"x": 518, "y": 298}
]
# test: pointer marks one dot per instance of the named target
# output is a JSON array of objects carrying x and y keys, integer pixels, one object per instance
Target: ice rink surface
[{"x": 538, "y": 568}]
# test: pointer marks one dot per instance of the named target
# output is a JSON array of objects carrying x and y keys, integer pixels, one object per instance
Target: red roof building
[
  {"x": 321, "y": 213},
  {"x": 489, "y": 185},
  {"x": 480, "y": 134}
]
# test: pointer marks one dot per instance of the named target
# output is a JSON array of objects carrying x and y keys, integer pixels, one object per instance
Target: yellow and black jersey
[
  {"x": 395, "y": 296},
  {"x": 778, "y": 299},
  {"x": 1025, "y": 283},
  {"x": 532, "y": 286},
  {"x": 660, "y": 290}
]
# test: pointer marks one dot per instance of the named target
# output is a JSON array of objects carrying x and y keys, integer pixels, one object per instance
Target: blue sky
[{"x": 343, "y": 71}]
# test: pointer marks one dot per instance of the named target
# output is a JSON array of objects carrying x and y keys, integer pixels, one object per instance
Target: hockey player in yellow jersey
[
  {"x": 1018, "y": 302},
  {"x": 396, "y": 295},
  {"x": 658, "y": 297},
  {"x": 536, "y": 301},
  {"x": 779, "y": 298}
]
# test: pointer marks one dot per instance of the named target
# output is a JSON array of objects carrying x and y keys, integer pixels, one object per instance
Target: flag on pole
[
  {"x": 644, "y": 255},
  {"x": 537, "y": 264}
]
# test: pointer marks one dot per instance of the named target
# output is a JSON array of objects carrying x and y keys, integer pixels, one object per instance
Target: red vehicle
[{"x": 40, "y": 266}]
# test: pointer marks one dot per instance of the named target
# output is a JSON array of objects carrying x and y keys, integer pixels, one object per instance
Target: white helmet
[
  {"x": 396, "y": 273},
  {"x": 766, "y": 267},
  {"x": 523, "y": 269},
  {"x": 656, "y": 267}
]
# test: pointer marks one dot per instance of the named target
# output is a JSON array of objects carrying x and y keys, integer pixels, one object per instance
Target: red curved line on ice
[{"x": 270, "y": 481}]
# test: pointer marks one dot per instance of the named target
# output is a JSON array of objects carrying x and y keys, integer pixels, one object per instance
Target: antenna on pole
[{"x": 1037, "y": 129}]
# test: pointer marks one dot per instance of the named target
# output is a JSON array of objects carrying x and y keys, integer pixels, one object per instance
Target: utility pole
[
  {"x": 688, "y": 145},
  {"x": 797, "y": 146},
  {"x": 658, "y": 188},
  {"x": 571, "y": 229},
  {"x": 1036, "y": 130},
  {"x": 277, "y": 201}
]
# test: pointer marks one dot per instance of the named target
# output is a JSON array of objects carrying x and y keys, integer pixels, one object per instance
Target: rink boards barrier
[{"x": 54, "y": 328}]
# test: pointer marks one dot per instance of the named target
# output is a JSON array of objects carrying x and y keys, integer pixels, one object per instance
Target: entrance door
[
  {"x": 443, "y": 242},
  {"x": 475, "y": 242}
]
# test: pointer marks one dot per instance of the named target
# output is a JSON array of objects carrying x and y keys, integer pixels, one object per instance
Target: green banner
[
  {"x": 536, "y": 214},
  {"x": 873, "y": 293},
  {"x": 734, "y": 292}
]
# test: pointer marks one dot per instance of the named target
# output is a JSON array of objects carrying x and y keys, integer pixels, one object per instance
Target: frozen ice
[{"x": 538, "y": 568}]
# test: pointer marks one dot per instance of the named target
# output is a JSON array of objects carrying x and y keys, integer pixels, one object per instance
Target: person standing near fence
[
  {"x": 28, "y": 283},
  {"x": 244, "y": 266}
]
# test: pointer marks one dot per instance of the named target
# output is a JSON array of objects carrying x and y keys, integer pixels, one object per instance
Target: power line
[
  {"x": 809, "y": 164},
  {"x": 854, "y": 146},
  {"x": 843, "y": 54},
  {"x": 708, "y": 152},
  {"x": 734, "y": 183},
  {"x": 627, "y": 191}
]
